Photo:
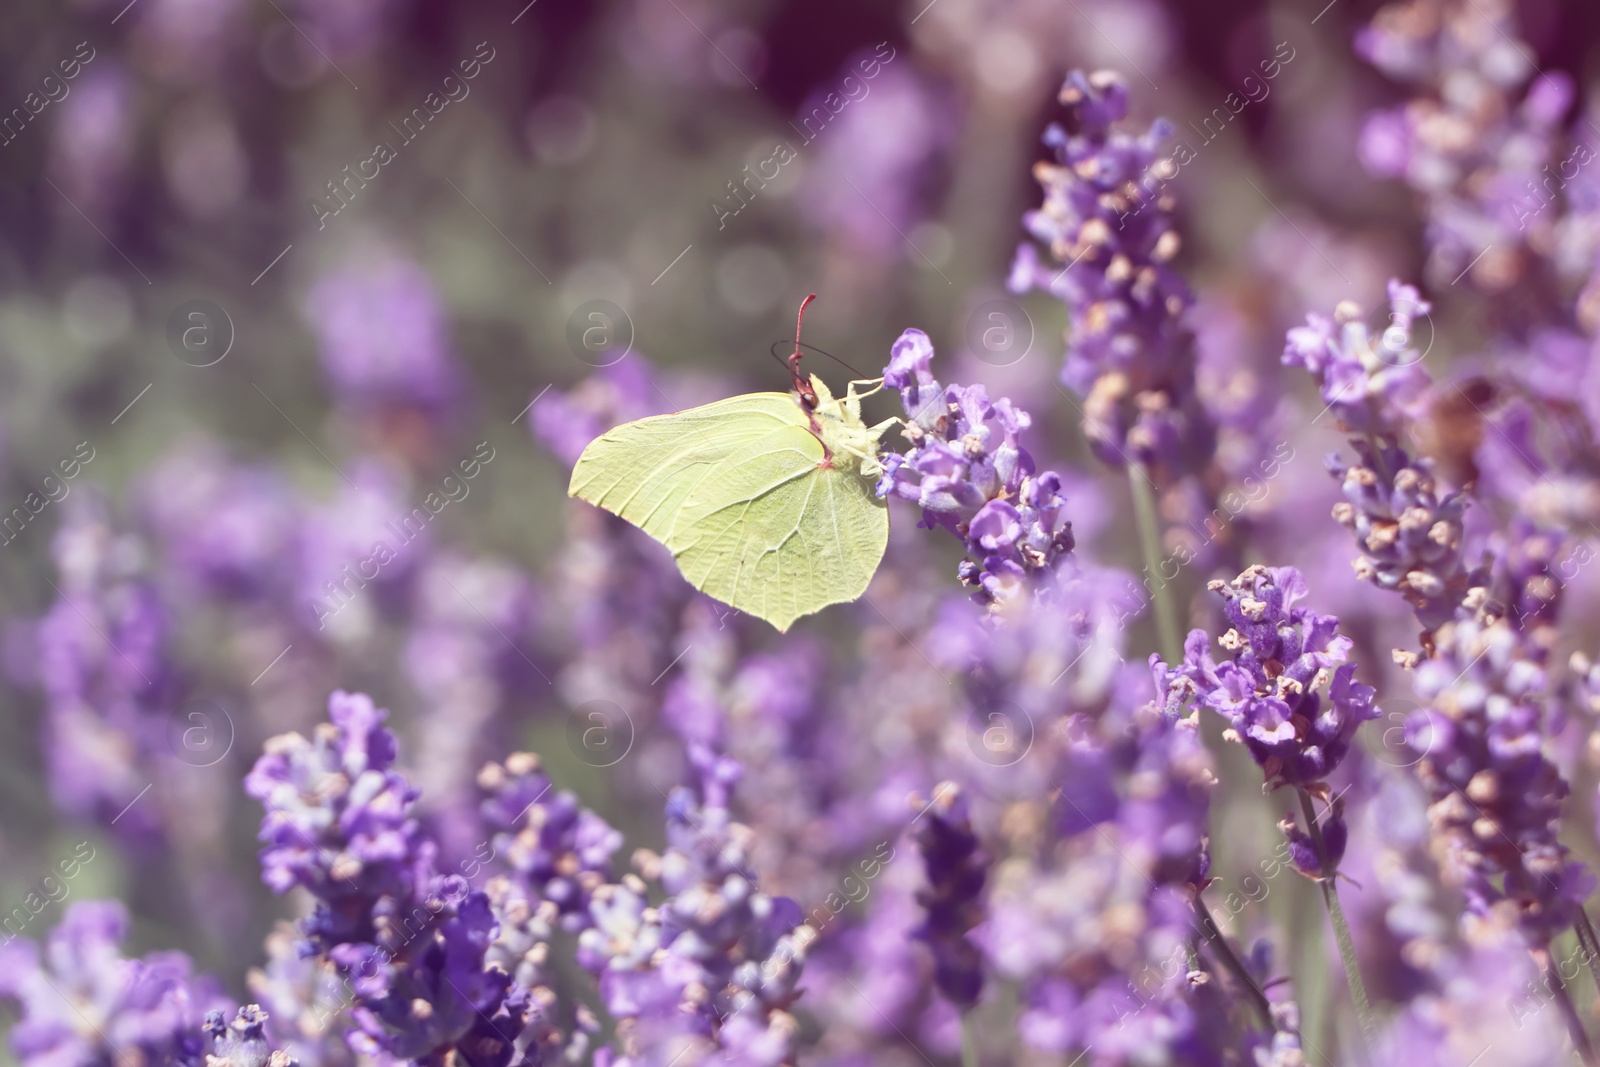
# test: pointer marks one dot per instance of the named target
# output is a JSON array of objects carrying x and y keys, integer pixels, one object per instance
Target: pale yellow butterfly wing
[
  {"x": 642, "y": 470},
  {"x": 773, "y": 533}
]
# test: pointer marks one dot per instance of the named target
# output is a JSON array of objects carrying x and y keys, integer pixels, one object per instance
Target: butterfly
[{"x": 765, "y": 500}]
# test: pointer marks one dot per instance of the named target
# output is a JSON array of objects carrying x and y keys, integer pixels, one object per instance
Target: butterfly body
[{"x": 766, "y": 502}]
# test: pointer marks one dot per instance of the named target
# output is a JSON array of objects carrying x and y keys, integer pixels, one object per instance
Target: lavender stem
[
  {"x": 1144, "y": 509},
  {"x": 1580, "y": 1038},
  {"x": 969, "y": 1041},
  {"x": 1341, "y": 929},
  {"x": 1230, "y": 962},
  {"x": 1589, "y": 941}
]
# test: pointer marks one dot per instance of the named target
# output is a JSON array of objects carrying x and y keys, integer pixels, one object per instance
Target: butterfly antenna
[{"x": 802, "y": 383}]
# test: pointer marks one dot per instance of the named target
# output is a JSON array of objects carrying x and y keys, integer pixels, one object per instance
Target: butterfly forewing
[
  {"x": 771, "y": 532},
  {"x": 642, "y": 470}
]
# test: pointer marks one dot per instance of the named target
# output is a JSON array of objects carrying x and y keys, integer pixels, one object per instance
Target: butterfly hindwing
[{"x": 774, "y": 533}]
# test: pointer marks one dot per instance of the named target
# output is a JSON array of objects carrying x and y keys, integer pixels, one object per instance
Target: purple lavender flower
[
  {"x": 101, "y": 661},
  {"x": 1370, "y": 384},
  {"x": 383, "y": 337},
  {"x": 956, "y": 870},
  {"x": 1288, "y": 694},
  {"x": 712, "y": 971},
  {"x": 1141, "y": 854},
  {"x": 1495, "y": 797},
  {"x": 1486, "y": 993},
  {"x": 559, "y": 850},
  {"x": 884, "y": 150},
  {"x": 1476, "y": 147},
  {"x": 84, "y": 1003},
  {"x": 1107, "y": 218},
  {"x": 471, "y": 620},
  {"x": 1408, "y": 530},
  {"x": 565, "y": 422},
  {"x": 304, "y": 999},
  {"x": 411, "y": 942},
  {"x": 367, "y": 535},
  {"x": 242, "y": 1041},
  {"x": 969, "y": 473},
  {"x": 227, "y": 528}
]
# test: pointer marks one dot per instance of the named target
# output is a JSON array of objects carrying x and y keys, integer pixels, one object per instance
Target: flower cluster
[
  {"x": 969, "y": 473},
  {"x": 411, "y": 941},
  {"x": 1108, "y": 221},
  {"x": 1495, "y": 798},
  {"x": 553, "y": 845},
  {"x": 83, "y": 1002},
  {"x": 956, "y": 871},
  {"x": 709, "y": 975},
  {"x": 1408, "y": 530},
  {"x": 1287, "y": 692},
  {"x": 1369, "y": 382},
  {"x": 1478, "y": 144},
  {"x": 1095, "y": 917},
  {"x": 1078, "y": 877}
]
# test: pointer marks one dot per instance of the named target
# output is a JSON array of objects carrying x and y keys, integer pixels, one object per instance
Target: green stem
[
  {"x": 1144, "y": 510},
  {"x": 1569, "y": 1013},
  {"x": 1231, "y": 963},
  {"x": 1589, "y": 941},
  {"x": 969, "y": 1041},
  {"x": 1341, "y": 929}
]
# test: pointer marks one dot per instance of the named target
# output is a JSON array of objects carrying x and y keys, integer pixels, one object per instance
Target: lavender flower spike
[
  {"x": 956, "y": 872},
  {"x": 1408, "y": 529},
  {"x": 968, "y": 471},
  {"x": 1108, "y": 221},
  {"x": 1370, "y": 382},
  {"x": 1287, "y": 692},
  {"x": 411, "y": 942},
  {"x": 1495, "y": 799},
  {"x": 242, "y": 1041},
  {"x": 83, "y": 1003}
]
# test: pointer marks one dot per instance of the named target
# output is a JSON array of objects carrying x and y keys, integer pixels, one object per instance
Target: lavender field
[{"x": 1179, "y": 646}]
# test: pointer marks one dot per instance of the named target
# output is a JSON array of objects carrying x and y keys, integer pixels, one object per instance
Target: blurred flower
[
  {"x": 226, "y": 528},
  {"x": 565, "y": 422},
  {"x": 1474, "y": 145},
  {"x": 1108, "y": 220},
  {"x": 304, "y": 999},
  {"x": 383, "y": 337},
  {"x": 469, "y": 624},
  {"x": 710, "y": 974},
  {"x": 92, "y": 143},
  {"x": 84, "y": 1003},
  {"x": 189, "y": 41},
  {"x": 411, "y": 941},
  {"x": 1495, "y": 797},
  {"x": 347, "y": 29},
  {"x": 1096, "y": 924},
  {"x": 955, "y": 873},
  {"x": 877, "y": 142},
  {"x": 1371, "y": 384},
  {"x": 366, "y": 535},
  {"x": 102, "y": 663}
]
